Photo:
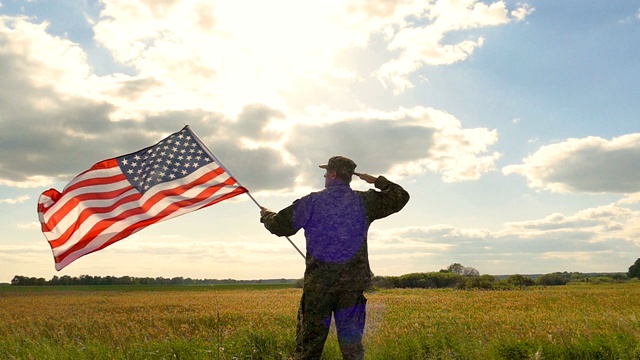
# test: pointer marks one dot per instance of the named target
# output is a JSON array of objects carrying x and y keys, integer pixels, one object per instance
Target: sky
[{"x": 514, "y": 126}]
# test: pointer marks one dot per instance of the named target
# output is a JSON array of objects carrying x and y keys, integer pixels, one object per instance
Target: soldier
[{"x": 335, "y": 222}]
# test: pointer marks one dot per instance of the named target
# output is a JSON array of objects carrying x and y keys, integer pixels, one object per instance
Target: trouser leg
[
  {"x": 314, "y": 319},
  {"x": 350, "y": 317}
]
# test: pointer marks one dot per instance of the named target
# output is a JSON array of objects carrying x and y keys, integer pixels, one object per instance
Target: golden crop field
[{"x": 149, "y": 322}]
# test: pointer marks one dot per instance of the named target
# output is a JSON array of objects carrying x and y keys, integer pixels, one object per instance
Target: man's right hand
[{"x": 366, "y": 177}]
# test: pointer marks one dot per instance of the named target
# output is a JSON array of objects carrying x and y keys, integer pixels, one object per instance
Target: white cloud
[
  {"x": 17, "y": 200},
  {"x": 28, "y": 182},
  {"x": 419, "y": 45},
  {"x": 225, "y": 55},
  {"x": 206, "y": 55},
  {"x": 30, "y": 226},
  {"x": 630, "y": 199},
  {"x": 589, "y": 164},
  {"x": 413, "y": 141},
  {"x": 46, "y": 61},
  {"x": 224, "y": 70},
  {"x": 584, "y": 241},
  {"x": 522, "y": 12}
]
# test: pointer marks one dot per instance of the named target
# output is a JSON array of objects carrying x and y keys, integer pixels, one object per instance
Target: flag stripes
[{"x": 101, "y": 205}]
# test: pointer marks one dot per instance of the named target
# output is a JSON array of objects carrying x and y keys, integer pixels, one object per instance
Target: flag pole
[{"x": 210, "y": 153}]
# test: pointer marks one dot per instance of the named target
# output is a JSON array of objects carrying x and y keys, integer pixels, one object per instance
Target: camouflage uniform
[{"x": 335, "y": 221}]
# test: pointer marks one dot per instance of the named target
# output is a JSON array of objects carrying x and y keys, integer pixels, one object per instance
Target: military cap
[{"x": 340, "y": 164}]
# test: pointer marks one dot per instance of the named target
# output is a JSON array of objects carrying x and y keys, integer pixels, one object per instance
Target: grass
[{"x": 212, "y": 322}]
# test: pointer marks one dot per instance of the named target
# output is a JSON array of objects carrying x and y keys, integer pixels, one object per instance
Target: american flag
[{"x": 118, "y": 197}]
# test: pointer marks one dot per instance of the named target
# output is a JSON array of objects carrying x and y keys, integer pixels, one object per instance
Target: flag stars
[{"x": 170, "y": 159}]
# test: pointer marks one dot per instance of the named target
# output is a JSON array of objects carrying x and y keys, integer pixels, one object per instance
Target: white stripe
[{"x": 90, "y": 174}]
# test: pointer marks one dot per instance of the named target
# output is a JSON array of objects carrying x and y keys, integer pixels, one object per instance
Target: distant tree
[
  {"x": 619, "y": 276},
  {"x": 634, "y": 270},
  {"x": 469, "y": 271},
  {"x": 478, "y": 282},
  {"x": 556, "y": 278},
  {"x": 383, "y": 282},
  {"x": 19, "y": 280},
  {"x": 519, "y": 280},
  {"x": 65, "y": 280},
  {"x": 456, "y": 268}
]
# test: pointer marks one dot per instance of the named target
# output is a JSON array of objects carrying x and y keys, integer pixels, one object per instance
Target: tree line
[
  {"x": 437, "y": 280},
  {"x": 454, "y": 276},
  {"x": 130, "y": 280},
  {"x": 462, "y": 277}
]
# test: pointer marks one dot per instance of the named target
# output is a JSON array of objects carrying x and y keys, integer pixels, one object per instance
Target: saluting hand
[{"x": 366, "y": 177}]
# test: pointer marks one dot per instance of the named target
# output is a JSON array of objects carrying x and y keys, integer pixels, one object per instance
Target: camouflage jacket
[{"x": 335, "y": 222}]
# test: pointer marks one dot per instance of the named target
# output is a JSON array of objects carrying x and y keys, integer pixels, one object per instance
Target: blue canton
[{"x": 172, "y": 158}]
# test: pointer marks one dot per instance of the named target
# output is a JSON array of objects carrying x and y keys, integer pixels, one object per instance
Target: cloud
[
  {"x": 43, "y": 108},
  {"x": 584, "y": 241},
  {"x": 522, "y": 12},
  {"x": 17, "y": 200},
  {"x": 630, "y": 199},
  {"x": 30, "y": 226},
  {"x": 400, "y": 143},
  {"x": 224, "y": 71},
  {"x": 63, "y": 132},
  {"x": 54, "y": 125},
  {"x": 219, "y": 55},
  {"x": 420, "y": 45},
  {"x": 589, "y": 164}
]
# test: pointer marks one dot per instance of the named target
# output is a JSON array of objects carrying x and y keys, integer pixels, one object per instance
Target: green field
[{"x": 258, "y": 322}]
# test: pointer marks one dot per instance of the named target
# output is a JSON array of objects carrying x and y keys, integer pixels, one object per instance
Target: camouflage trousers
[{"x": 314, "y": 319}]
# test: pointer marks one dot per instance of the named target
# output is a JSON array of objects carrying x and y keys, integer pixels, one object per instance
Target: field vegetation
[{"x": 576, "y": 321}]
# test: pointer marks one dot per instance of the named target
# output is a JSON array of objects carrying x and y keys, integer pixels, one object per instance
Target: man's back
[
  {"x": 336, "y": 221},
  {"x": 335, "y": 226}
]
